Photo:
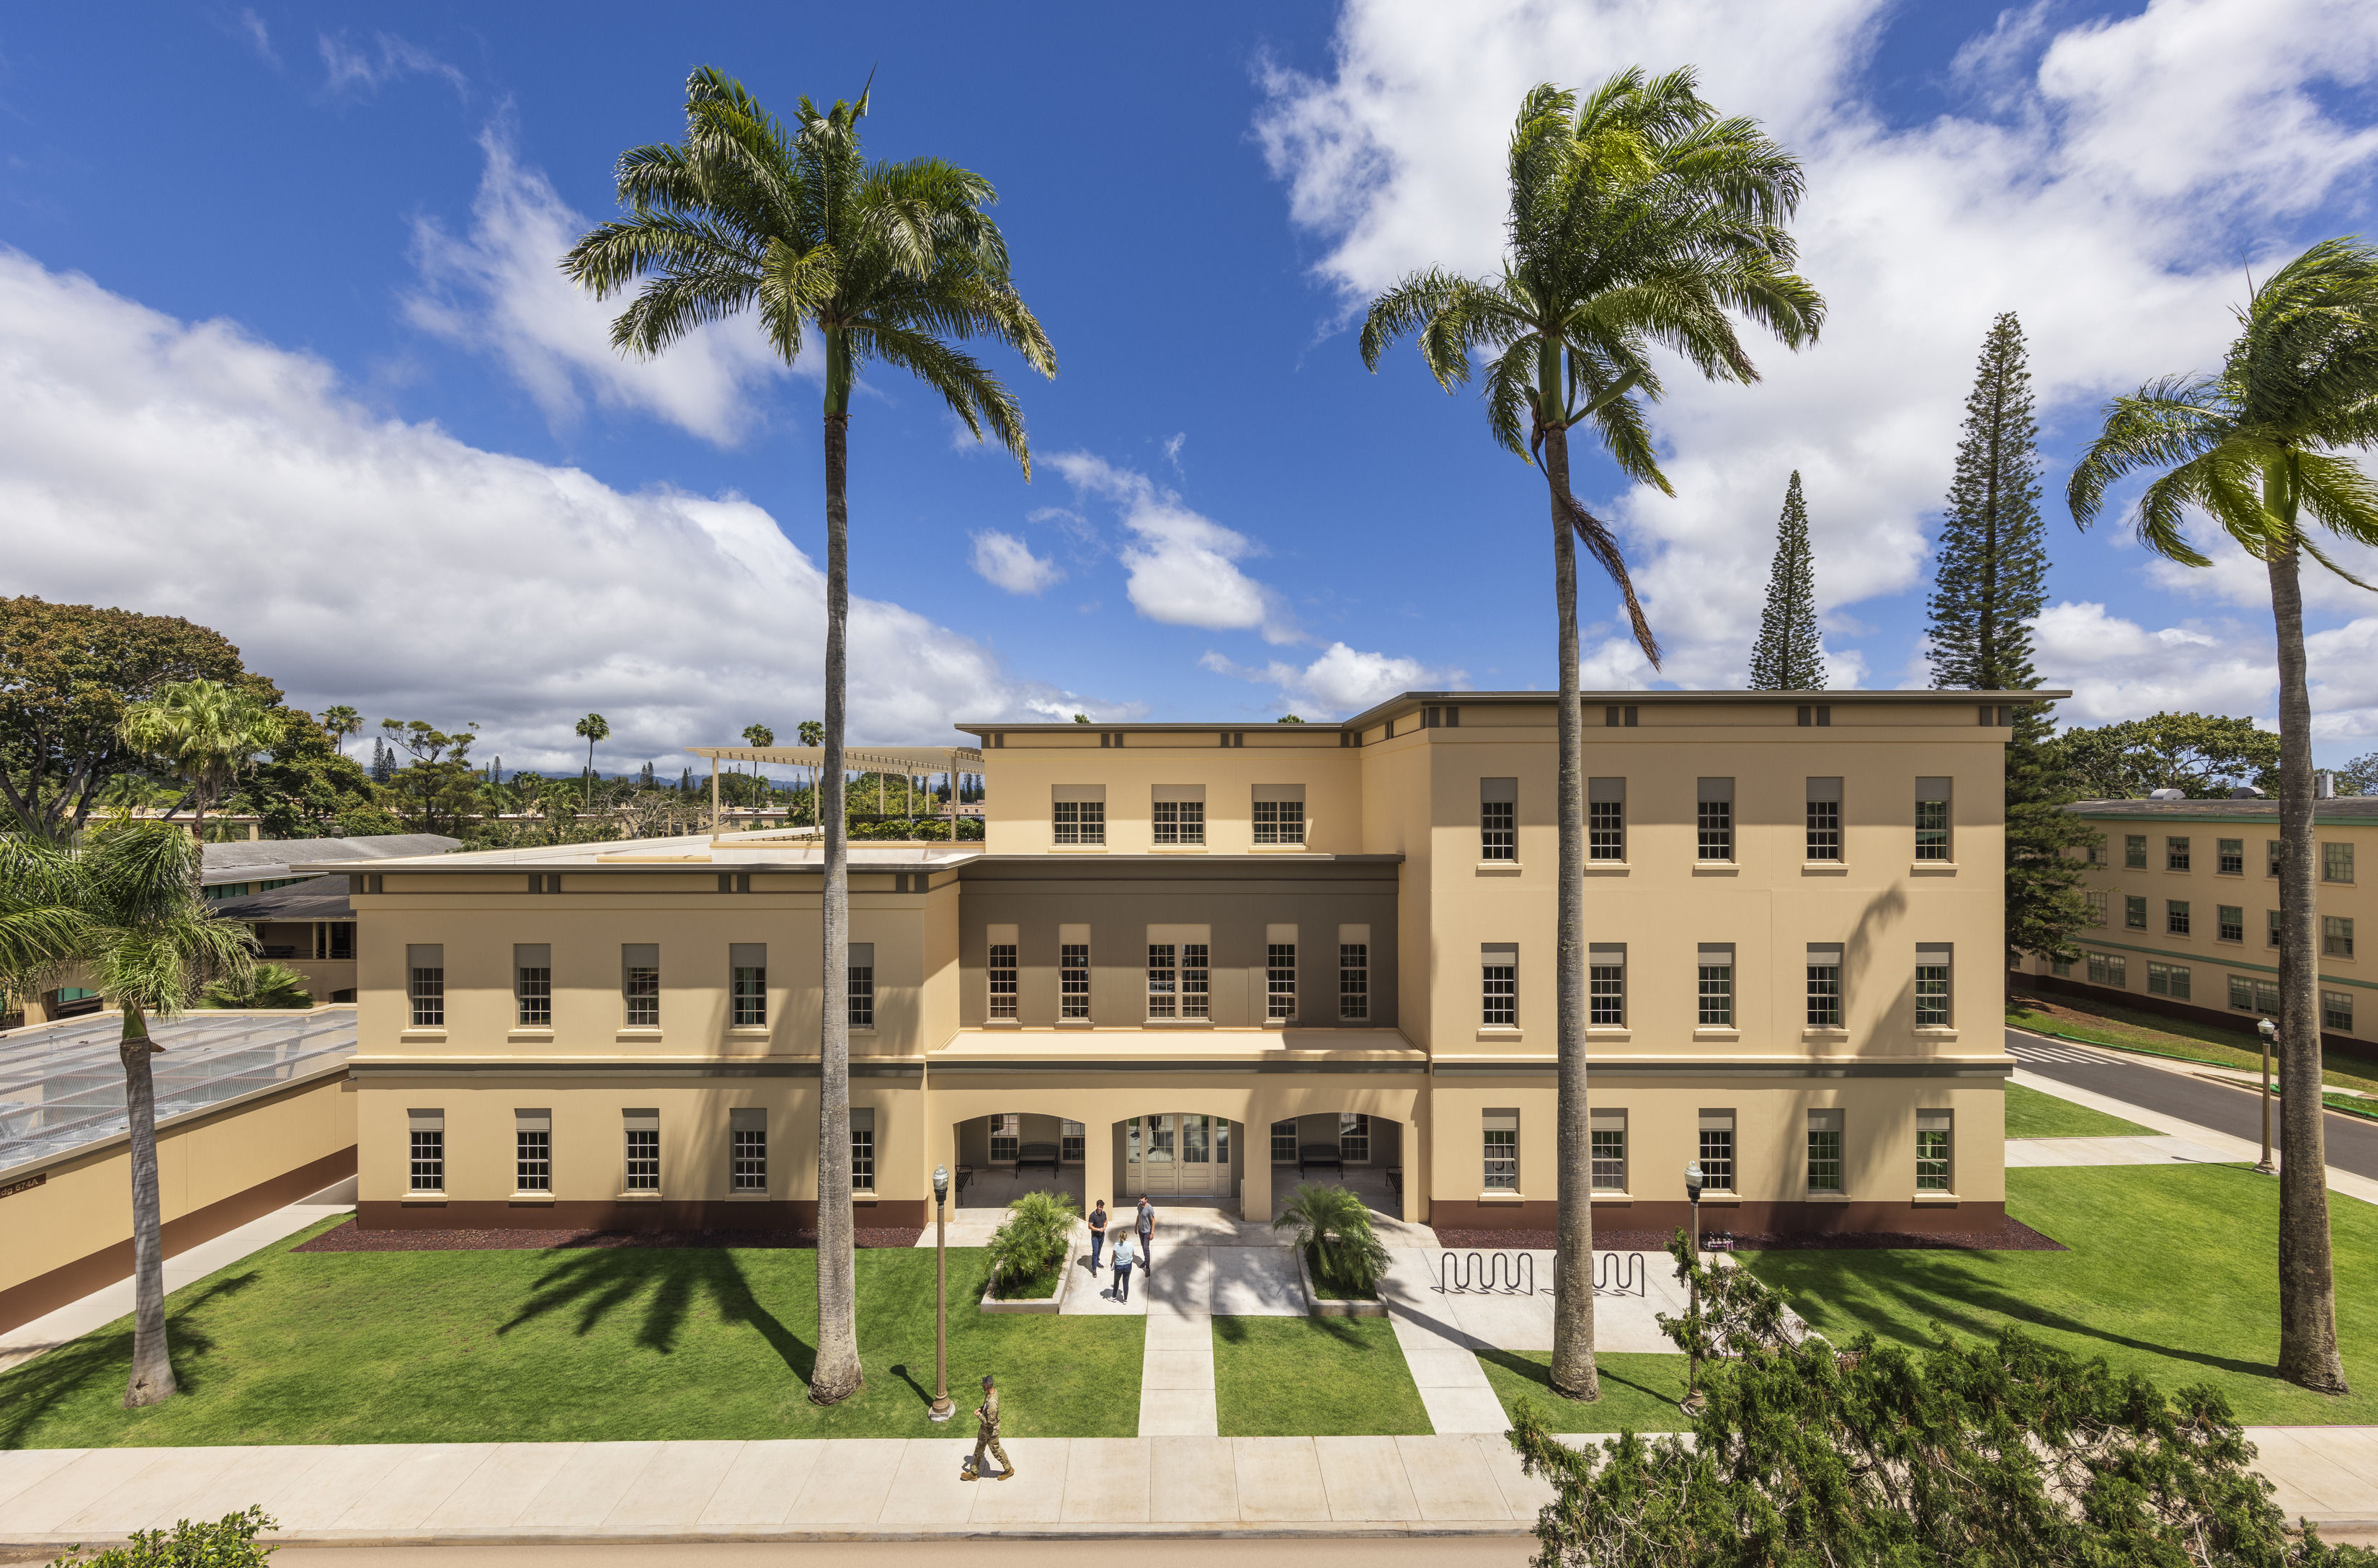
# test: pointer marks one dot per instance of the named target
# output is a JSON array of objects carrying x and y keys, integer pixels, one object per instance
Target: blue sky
[{"x": 281, "y": 348}]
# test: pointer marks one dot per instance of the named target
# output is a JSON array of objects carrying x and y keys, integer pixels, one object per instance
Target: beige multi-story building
[
  {"x": 1199, "y": 961},
  {"x": 2184, "y": 899}
]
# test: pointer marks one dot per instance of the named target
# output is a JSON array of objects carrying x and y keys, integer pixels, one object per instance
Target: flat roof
[
  {"x": 62, "y": 1084},
  {"x": 864, "y": 759},
  {"x": 2344, "y": 808},
  {"x": 785, "y": 848}
]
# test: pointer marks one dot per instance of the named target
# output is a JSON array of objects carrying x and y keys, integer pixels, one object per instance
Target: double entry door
[{"x": 1183, "y": 1153}]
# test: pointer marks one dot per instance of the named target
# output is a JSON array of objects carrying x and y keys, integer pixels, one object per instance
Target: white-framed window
[
  {"x": 1006, "y": 1130},
  {"x": 1196, "y": 980},
  {"x": 1932, "y": 963},
  {"x": 1279, "y": 813},
  {"x": 1499, "y": 1143},
  {"x": 748, "y": 999},
  {"x": 1279, "y": 981},
  {"x": 1073, "y": 980},
  {"x": 424, "y": 966},
  {"x": 1180, "y": 814},
  {"x": 2229, "y": 858},
  {"x": 1606, "y": 985},
  {"x": 1824, "y": 820},
  {"x": 747, "y": 1149},
  {"x": 1932, "y": 797},
  {"x": 1824, "y": 1151},
  {"x": 1605, "y": 820},
  {"x": 2337, "y": 1010},
  {"x": 2229, "y": 922},
  {"x": 2175, "y": 916},
  {"x": 2336, "y": 863},
  {"x": 1498, "y": 818},
  {"x": 2108, "y": 969},
  {"x": 999, "y": 968},
  {"x": 2097, "y": 898},
  {"x": 639, "y": 984},
  {"x": 2175, "y": 854},
  {"x": 1933, "y": 1150},
  {"x": 1078, "y": 814},
  {"x": 862, "y": 1149},
  {"x": 1715, "y": 962},
  {"x": 1715, "y": 819},
  {"x": 1354, "y": 980},
  {"x": 426, "y": 1130},
  {"x": 1499, "y": 984},
  {"x": 2169, "y": 980},
  {"x": 1164, "y": 979},
  {"x": 1353, "y": 1137},
  {"x": 2135, "y": 852},
  {"x": 861, "y": 985},
  {"x": 1072, "y": 1143},
  {"x": 643, "y": 1151},
  {"x": 2271, "y": 929},
  {"x": 533, "y": 988},
  {"x": 2336, "y": 935},
  {"x": 533, "y": 1150},
  {"x": 1283, "y": 1142},
  {"x": 1824, "y": 984},
  {"x": 1717, "y": 1151},
  {"x": 1608, "y": 1129}
]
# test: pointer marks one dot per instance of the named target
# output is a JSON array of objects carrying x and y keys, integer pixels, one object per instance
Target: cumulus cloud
[
  {"x": 1184, "y": 565},
  {"x": 2106, "y": 185},
  {"x": 2118, "y": 669},
  {"x": 1341, "y": 681},
  {"x": 497, "y": 290},
  {"x": 1005, "y": 561},
  {"x": 189, "y": 469}
]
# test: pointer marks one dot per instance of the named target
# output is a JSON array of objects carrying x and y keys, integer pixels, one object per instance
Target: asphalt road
[{"x": 2352, "y": 1142}]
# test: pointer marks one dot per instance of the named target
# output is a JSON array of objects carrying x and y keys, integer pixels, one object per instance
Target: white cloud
[
  {"x": 501, "y": 290},
  {"x": 372, "y": 66},
  {"x": 2109, "y": 194},
  {"x": 1341, "y": 681},
  {"x": 1005, "y": 561},
  {"x": 192, "y": 470},
  {"x": 2118, "y": 669},
  {"x": 259, "y": 36},
  {"x": 1184, "y": 567}
]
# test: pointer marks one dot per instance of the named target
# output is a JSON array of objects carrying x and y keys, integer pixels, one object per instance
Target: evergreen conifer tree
[
  {"x": 1788, "y": 655},
  {"x": 1992, "y": 583}
]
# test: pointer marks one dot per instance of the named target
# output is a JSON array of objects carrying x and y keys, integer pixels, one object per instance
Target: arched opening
[
  {"x": 1005, "y": 1156},
  {"x": 1363, "y": 1153},
  {"x": 1179, "y": 1158}
]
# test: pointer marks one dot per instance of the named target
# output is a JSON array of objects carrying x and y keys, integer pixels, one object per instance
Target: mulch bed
[
  {"x": 348, "y": 1239},
  {"x": 2016, "y": 1238}
]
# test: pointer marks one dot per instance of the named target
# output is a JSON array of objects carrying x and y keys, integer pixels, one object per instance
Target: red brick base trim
[
  {"x": 1746, "y": 1218},
  {"x": 71, "y": 1282},
  {"x": 688, "y": 1214}
]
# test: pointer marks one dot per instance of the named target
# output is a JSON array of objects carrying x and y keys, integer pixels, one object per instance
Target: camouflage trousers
[{"x": 990, "y": 1441}]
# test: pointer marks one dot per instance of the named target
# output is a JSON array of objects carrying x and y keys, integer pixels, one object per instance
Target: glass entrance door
[{"x": 1181, "y": 1152}]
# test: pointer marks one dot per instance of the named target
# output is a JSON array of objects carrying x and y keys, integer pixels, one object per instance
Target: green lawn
[
  {"x": 2030, "y": 1114},
  {"x": 2172, "y": 1274},
  {"x": 1312, "y": 1377},
  {"x": 1639, "y": 1391},
  {"x": 582, "y": 1344},
  {"x": 2110, "y": 1024}
]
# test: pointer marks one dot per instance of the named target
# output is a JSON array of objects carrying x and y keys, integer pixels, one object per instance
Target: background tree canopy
[{"x": 2203, "y": 754}]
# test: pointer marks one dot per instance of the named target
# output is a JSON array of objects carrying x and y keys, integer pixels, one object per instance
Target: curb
[{"x": 1315, "y": 1307}]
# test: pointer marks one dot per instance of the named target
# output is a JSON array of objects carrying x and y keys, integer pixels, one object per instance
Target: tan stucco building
[{"x": 1186, "y": 958}]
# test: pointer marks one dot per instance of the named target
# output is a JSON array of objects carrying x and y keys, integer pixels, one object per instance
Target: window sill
[
  {"x": 1717, "y": 868},
  {"x": 531, "y": 1034},
  {"x": 1824, "y": 1033},
  {"x": 1608, "y": 1033},
  {"x": 1073, "y": 1023},
  {"x": 1608, "y": 868},
  {"x": 540, "y": 1200},
  {"x": 1935, "y": 1198},
  {"x": 1827, "y": 1198},
  {"x": 1002, "y": 1023},
  {"x": 1934, "y": 1031},
  {"x": 862, "y": 1029},
  {"x": 746, "y": 1031},
  {"x": 1077, "y": 849},
  {"x": 640, "y": 1197},
  {"x": 1713, "y": 1195},
  {"x": 1612, "y": 1195},
  {"x": 1499, "y": 869},
  {"x": 438, "y": 1197},
  {"x": 422, "y": 1036},
  {"x": 1506, "y": 1033},
  {"x": 1176, "y": 849},
  {"x": 1277, "y": 849},
  {"x": 1825, "y": 867},
  {"x": 1713, "y": 1033},
  {"x": 637, "y": 1034},
  {"x": 1180, "y": 1024},
  {"x": 747, "y": 1197},
  {"x": 1932, "y": 868},
  {"x": 1500, "y": 1197}
]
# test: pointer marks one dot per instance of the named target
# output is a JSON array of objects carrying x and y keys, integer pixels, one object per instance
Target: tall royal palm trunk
[
  {"x": 837, "y": 1375},
  {"x": 2307, "y": 1274},
  {"x": 1573, "y": 1372},
  {"x": 153, "y": 1367}
]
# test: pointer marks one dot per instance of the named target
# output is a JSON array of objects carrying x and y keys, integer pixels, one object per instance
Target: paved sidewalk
[
  {"x": 2160, "y": 1149},
  {"x": 2219, "y": 1146},
  {"x": 108, "y": 1303}
]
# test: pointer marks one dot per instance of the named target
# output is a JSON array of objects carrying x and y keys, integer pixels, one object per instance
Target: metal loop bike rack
[
  {"x": 1508, "y": 1273},
  {"x": 1627, "y": 1268}
]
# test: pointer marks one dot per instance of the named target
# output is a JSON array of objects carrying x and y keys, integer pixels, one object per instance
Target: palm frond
[{"x": 2164, "y": 424}]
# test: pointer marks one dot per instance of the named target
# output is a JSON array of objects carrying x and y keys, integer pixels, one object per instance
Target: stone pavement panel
[
  {"x": 849, "y": 1482},
  {"x": 672, "y": 1491},
  {"x": 586, "y": 1489},
  {"x": 1192, "y": 1480},
  {"x": 760, "y": 1487},
  {"x": 45, "y": 1509},
  {"x": 1279, "y": 1480},
  {"x": 930, "y": 1486},
  {"x": 1037, "y": 1495},
  {"x": 2024, "y": 1153},
  {"x": 1176, "y": 1374},
  {"x": 1107, "y": 1480},
  {"x": 136, "y": 1495},
  {"x": 1363, "y": 1479},
  {"x": 424, "y": 1475},
  {"x": 1450, "y": 1480},
  {"x": 497, "y": 1493},
  {"x": 1256, "y": 1282}
]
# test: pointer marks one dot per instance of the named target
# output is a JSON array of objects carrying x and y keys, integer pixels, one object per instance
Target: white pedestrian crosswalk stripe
[{"x": 2054, "y": 1050}]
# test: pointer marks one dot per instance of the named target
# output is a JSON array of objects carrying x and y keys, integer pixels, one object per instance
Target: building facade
[
  {"x": 1204, "y": 962},
  {"x": 2184, "y": 905}
]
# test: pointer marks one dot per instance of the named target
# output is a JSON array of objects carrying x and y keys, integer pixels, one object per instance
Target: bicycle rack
[
  {"x": 1508, "y": 1273},
  {"x": 1627, "y": 1267}
]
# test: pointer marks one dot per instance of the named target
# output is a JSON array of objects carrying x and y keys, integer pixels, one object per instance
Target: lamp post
[
  {"x": 2270, "y": 1033},
  {"x": 941, "y": 1409},
  {"x": 1694, "y": 1181}
]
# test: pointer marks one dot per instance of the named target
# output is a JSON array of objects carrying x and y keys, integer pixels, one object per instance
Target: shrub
[
  {"x": 2009, "y": 1451},
  {"x": 1030, "y": 1243},
  {"x": 272, "y": 986},
  {"x": 229, "y": 1542},
  {"x": 1333, "y": 1227}
]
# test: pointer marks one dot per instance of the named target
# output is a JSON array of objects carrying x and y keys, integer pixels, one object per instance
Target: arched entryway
[
  {"x": 1005, "y": 1156},
  {"x": 1187, "y": 1156},
  {"x": 1363, "y": 1153}
]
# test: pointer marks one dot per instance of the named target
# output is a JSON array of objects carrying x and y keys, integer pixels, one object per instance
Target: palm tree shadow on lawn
[
  {"x": 1539, "y": 1373},
  {"x": 32, "y": 1391},
  {"x": 596, "y": 1282}
]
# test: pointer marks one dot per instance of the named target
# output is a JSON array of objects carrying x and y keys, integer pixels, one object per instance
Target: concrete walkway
[
  {"x": 108, "y": 1303},
  {"x": 2160, "y": 1149},
  {"x": 2218, "y": 1147}
]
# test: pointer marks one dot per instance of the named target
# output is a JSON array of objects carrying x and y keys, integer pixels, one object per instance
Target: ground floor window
[
  {"x": 2168, "y": 980},
  {"x": 1717, "y": 1151},
  {"x": 862, "y": 1149},
  {"x": 1824, "y": 1151},
  {"x": 747, "y": 1149},
  {"x": 2337, "y": 1010},
  {"x": 1501, "y": 1147},
  {"x": 1283, "y": 1143},
  {"x": 1005, "y": 1132},
  {"x": 2108, "y": 969},
  {"x": 643, "y": 1130},
  {"x": 428, "y": 1173},
  {"x": 1932, "y": 1130},
  {"x": 533, "y": 1150},
  {"x": 1609, "y": 1128},
  {"x": 2061, "y": 967},
  {"x": 2253, "y": 996},
  {"x": 1353, "y": 1138},
  {"x": 1073, "y": 1139}
]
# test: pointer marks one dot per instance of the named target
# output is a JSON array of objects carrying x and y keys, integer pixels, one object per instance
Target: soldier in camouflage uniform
[{"x": 986, "y": 1436}]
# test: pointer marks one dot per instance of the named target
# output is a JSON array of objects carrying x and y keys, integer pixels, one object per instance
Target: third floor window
[
  {"x": 1499, "y": 824},
  {"x": 1715, "y": 820}
]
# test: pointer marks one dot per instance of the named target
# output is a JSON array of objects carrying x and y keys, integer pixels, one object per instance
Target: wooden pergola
[{"x": 908, "y": 761}]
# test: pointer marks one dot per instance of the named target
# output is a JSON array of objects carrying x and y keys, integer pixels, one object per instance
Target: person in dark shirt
[
  {"x": 1098, "y": 1234},
  {"x": 1145, "y": 1224}
]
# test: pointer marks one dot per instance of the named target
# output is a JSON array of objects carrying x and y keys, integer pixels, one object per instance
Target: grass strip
[
  {"x": 2120, "y": 1028},
  {"x": 1312, "y": 1377},
  {"x": 2032, "y": 1114},
  {"x": 1640, "y": 1391}
]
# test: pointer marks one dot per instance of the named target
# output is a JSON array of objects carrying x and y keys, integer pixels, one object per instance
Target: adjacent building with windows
[
  {"x": 1204, "y": 962},
  {"x": 2184, "y": 903}
]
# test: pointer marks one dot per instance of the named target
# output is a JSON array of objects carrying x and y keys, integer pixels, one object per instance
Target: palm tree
[
  {"x": 884, "y": 262},
  {"x": 2260, "y": 446},
  {"x": 594, "y": 727},
  {"x": 1638, "y": 220},
  {"x": 207, "y": 732},
  {"x": 125, "y": 914},
  {"x": 1333, "y": 1229},
  {"x": 340, "y": 723}
]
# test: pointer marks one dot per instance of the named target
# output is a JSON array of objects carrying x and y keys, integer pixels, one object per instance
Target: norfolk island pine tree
[
  {"x": 2261, "y": 446},
  {"x": 1789, "y": 655},
  {"x": 1988, "y": 586},
  {"x": 1638, "y": 220},
  {"x": 882, "y": 262}
]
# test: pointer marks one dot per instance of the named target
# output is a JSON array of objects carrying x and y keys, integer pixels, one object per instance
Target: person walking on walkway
[
  {"x": 1123, "y": 1258},
  {"x": 1145, "y": 1224},
  {"x": 987, "y": 1436},
  {"x": 1098, "y": 1235}
]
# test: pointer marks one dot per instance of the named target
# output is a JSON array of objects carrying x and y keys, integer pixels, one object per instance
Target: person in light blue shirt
[{"x": 1123, "y": 1258}]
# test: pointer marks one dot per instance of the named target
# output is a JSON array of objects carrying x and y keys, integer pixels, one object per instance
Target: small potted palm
[
  {"x": 1027, "y": 1255},
  {"x": 1338, "y": 1256}
]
